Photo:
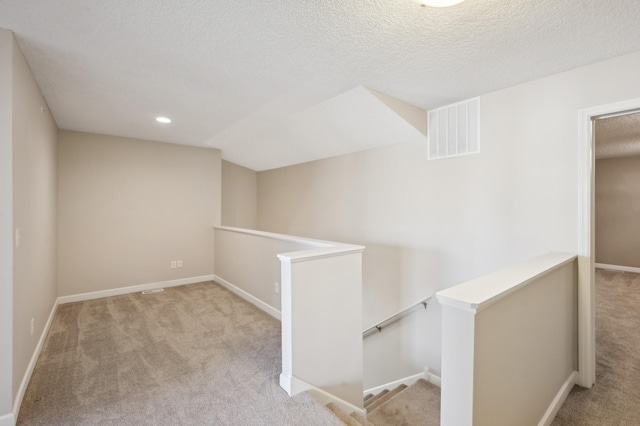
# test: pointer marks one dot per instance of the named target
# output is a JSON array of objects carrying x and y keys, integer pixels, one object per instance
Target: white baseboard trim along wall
[
  {"x": 432, "y": 378},
  {"x": 32, "y": 363},
  {"x": 557, "y": 402},
  {"x": 248, "y": 297},
  {"x": 427, "y": 375},
  {"x": 617, "y": 268},
  {"x": 132, "y": 289},
  {"x": 10, "y": 418}
]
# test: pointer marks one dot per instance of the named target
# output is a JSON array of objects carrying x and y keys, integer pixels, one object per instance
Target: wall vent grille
[{"x": 454, "y": 130}]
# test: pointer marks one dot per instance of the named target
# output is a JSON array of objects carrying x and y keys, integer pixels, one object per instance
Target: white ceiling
[{"x": 221, "y": 69}]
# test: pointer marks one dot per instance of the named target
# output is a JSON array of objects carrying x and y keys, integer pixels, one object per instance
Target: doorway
[
  {"x": 617, "y": 192},
  {"x": 586, "y": 234}
]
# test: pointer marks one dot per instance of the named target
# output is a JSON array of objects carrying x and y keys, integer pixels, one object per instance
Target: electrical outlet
[
  {"x": 173, "y": 264},
  {"x": 276, "y": 287},
  {"x": 32, "y": 325},
  {"x": 179, "y": 263}
]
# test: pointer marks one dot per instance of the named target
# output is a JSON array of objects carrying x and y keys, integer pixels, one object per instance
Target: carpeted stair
[{"x": 418, "y": 404}]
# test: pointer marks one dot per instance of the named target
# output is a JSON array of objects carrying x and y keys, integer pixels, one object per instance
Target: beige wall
[
  {"x": 526, "y": 348},
  {"x": 425, "y": 225},
  {"x": 239, "y": 196},
  {"x": 429, "y": 225},
  {"x": 127, "y": 208},
  {"x": 617, "y": 217},
  {"x": 250, "y": 263},
  {"x": 28, "y": 202},
  {"x": 34, "y": 214},
  {"x": 6, "y": 224}
]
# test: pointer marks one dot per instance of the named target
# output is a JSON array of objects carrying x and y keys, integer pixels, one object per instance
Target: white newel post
[
  {"x": 322, "y": 322},
  {"x": 458, "y": 343}
]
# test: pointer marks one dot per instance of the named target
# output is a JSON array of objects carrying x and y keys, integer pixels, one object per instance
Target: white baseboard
[
  {"x": 248, "y": 297},
  {"x": 293, "y": 386},
  {"x": 618, "y": 268},
  {"x": 557, "y": 402},
  {"x": 432, "y": 378},
  {"x": 8, "y": 420},
  {"x": 132, "y": 289},
  {"x": 404, "y": 381},
  {"x": 32, "y": 363}
]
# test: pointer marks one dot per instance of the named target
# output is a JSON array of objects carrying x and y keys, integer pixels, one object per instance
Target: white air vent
[{"x": 454, "y": 130}]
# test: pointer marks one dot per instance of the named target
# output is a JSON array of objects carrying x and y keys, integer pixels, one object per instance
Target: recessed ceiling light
[
  {"x": 163, "y": 120},
  {"x": 440, "y": 3}
]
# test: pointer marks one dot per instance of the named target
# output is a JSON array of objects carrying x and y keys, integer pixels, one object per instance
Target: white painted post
[
  {"x": 321, "y": 322},
  {"x": 458, "y": 342}
]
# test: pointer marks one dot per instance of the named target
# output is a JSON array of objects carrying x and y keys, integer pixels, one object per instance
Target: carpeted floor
[
  {"x": 615, "y": 398},
  {"x": 198, "y": 354},
  {"x": 191, "y": 355}
]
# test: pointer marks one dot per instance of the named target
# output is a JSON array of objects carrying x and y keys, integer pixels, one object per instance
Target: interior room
[{"x": 314, "y": 206}]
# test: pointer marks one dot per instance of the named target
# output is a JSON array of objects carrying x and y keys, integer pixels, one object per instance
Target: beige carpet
[
  {"x": 192, "y": 355},
  {"x": 615, "y": 398}
]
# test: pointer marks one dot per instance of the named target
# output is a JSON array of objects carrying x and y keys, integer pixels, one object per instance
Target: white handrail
[{"x": 395, "y": 317}]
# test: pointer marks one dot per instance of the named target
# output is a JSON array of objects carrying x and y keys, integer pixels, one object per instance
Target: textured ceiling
[
  {"x": 219, "y": 67},
  {"x": 618, "y": 136}
]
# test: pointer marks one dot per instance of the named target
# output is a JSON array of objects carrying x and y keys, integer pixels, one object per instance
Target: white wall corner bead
[{"x": 454, "y": 130}]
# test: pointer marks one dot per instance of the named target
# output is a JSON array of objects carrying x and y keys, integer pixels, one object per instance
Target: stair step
[
  {"x": 375, "y": 397},
  {"x": 371, "y": 407},
  {"x": 344, "y": 417},
  {"x": 367, "y": 396},
  {"x": 419, "y": 404},
  {"x": 360, "y": 418}
]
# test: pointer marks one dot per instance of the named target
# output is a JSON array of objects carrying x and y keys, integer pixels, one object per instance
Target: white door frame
[{"x": 586, "y": 251}]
